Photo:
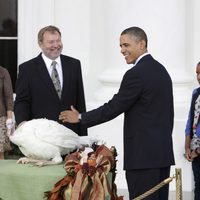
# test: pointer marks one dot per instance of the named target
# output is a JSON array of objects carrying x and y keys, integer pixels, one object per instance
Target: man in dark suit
[
  {"x": 146, "y": 99},
  {"x": 36, "y": 95}
]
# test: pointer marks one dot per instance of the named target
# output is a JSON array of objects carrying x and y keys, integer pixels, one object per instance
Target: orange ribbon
[{"x": 87, "y": 185}]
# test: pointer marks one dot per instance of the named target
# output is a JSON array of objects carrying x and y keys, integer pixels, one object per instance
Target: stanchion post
[{"x": 179, "y": 195}]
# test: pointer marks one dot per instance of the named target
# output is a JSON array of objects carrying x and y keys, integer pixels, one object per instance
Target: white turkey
[{"x": 44, "y": 141}]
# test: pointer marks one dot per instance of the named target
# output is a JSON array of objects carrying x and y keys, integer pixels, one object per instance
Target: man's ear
[
  {"x": 40, "y": 43},
  {"x": 142, "y": 45}
]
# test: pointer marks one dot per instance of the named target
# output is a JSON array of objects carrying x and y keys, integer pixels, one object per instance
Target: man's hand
[{"x": 71, "y": 116}]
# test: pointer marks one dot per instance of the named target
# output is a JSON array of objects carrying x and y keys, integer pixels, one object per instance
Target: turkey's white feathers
[
  {"x": 44, "y": 139},
  {"x": 53, "y": 133}
]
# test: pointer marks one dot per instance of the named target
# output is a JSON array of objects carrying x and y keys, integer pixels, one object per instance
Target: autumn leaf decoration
[{"x": 87, "y": 176}]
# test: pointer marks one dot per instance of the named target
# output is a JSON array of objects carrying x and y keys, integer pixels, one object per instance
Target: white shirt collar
[
  {"x": 139, "y": 58},
  {"x": 49, "y": 61}
]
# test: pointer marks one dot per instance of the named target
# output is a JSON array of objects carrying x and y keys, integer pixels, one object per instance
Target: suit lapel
[
  {"x": 44, "y": 74},
  {"x": 66, "y": 76}
]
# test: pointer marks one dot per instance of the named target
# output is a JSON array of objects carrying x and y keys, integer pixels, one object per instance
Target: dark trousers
[
  {"x": 141, "y": 180},
  {"x": 196, "y": 172}
]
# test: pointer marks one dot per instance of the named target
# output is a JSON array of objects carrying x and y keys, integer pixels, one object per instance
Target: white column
[
  {"x": 32, "y": 16},
  {"x": 165, "y": 24}
]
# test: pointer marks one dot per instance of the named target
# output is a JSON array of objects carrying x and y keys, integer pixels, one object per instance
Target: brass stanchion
[
  {"x": 155, "y": 188},
  {"x": 179, "y": 195}
]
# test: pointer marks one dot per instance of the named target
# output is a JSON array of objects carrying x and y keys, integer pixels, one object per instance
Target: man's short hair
[
  {"x": 137, "y": 32},
  {"x": 51, "y": 29}
]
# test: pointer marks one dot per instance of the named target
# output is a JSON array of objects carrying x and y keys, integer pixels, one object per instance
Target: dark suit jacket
[
  {"x": 146, "y": 99},
  {"x": 36, "y": 96}
]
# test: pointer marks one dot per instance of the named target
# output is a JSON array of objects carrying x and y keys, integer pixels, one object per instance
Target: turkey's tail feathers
[{"x": 87, "y": 141}]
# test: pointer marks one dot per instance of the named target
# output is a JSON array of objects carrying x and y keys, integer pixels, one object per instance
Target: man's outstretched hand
[{"x": 71, "y": 116}]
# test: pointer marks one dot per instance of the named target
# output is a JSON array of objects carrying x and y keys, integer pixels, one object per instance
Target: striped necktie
[{"x": 55, "y": 79}]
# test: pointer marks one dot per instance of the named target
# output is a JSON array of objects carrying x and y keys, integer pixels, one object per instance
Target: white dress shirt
[{"x": 48, "y": 63}]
